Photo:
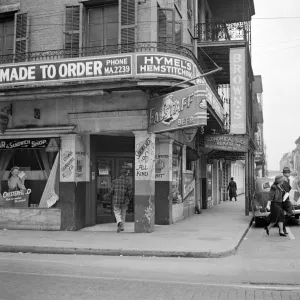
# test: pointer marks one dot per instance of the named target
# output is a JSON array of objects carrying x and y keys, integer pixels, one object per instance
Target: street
[{"x": 265, "y": 267}]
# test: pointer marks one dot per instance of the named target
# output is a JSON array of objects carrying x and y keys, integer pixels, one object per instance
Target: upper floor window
[
  {"x": 102, "y": 26},
  {"x": 169, "y": 26},
  {"x": 14, "y": 36}
]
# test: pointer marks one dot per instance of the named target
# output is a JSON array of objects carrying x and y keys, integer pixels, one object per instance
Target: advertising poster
[
  {"x": 237, "y": 91},
  {"x": 182, "y": 109},
  {"x": 67, "y": 159},
  {"x": 82, "y": 159}
]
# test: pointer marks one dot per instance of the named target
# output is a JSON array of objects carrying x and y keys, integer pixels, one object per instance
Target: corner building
[{"x": 76, "y": 80}]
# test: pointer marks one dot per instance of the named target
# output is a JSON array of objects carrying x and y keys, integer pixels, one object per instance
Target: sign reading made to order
[
  {"x": 99, "y": 67},
  {"x": 66, "y": 70},
  {"x": 227, "y": 143},
  {"x": 178, "y": 110}
]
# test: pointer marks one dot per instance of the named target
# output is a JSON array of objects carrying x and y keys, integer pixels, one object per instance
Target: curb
[{"x": 121, "y": 252}]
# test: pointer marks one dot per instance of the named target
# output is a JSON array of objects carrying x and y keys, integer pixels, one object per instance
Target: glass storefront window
[
  {"x": 177, "y": 174},
  {"x": 28, "y": 170}
]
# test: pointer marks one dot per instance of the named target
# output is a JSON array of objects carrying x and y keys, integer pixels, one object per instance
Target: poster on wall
[
  {"x": 74, "y": 159},
  {"x": 67, "y": 160},
  {"x": 82, "y": 171}
]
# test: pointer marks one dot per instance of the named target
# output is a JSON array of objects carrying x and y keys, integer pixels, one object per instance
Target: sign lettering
[
  {"x": 182, "y": 109},
  {"x": 164, "y": 64},
  {"x": 88, "y": 68},
  {"x": 238, "y": 91},
  {"x": 24, "y": 143},
  {"x": 226, "y": 143}
]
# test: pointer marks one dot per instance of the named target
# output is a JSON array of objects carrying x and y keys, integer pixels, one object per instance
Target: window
[
  {"x": 169, "y": 26},
  {"x": 7, "y": 36},
  {"x": 72, "y": 32},
  {"x": 15, "y": 25}
]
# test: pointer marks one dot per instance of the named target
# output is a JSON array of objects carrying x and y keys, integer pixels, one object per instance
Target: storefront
[
  {"x": 30, "y": 183},
  {"x": 175, "y": 119}
]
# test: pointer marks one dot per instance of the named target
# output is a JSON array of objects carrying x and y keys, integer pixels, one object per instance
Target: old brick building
[{"x": 78, "y": 79}]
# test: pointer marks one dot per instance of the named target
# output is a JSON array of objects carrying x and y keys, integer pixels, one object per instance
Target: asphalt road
[{"x": 266, "y": 267}]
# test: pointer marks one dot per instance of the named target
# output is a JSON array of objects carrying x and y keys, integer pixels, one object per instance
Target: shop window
[
  {"x": 177, "y": 174},
  {"x": 29, "y": 173}
]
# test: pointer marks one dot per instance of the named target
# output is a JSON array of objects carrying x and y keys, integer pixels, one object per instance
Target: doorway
[{"x": 108, "y": 169}]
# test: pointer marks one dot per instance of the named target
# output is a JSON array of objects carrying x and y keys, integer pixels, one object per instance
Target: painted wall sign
[
  {"x": 24, "y": 143},
  {"x": 181, "y": 109},
  {"x": 164, "y": 64},
  {"x": 227, "y": 143},
  {"x": 67, "y": 70},
  {"x": 144, "y": 160},
  {"x": 238, "y": 90}
]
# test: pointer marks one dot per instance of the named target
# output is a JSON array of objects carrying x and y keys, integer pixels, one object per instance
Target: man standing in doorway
[
  {"x": 232, "y": 188},
  {"x": 121, "y": 193},
  {"x": 286, "y": 205}
]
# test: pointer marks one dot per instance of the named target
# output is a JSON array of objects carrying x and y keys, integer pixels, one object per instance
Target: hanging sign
[
  {"x": 237, "y": 91},
  {"x": 182, "y": 109},
  {"x": 189, "y": 133},
  {"x": 226, "y": 142}
]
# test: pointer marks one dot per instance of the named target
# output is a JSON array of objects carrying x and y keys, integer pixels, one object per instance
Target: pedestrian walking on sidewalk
[
  {"x": 275, "y": 204},
  {"x": 287, "y": 205},
  {"x": 232, "y": 188},
  {"x": 121, "y": 193}
]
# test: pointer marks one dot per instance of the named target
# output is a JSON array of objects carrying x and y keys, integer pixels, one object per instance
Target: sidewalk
[{"x": 217, "y": 232}]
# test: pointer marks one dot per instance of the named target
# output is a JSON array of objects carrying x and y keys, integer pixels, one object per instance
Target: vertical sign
[
  {"x": 238, "y": 91},
  {"x": 144, "y": 156},
  {"x": 82, "y": 147}
]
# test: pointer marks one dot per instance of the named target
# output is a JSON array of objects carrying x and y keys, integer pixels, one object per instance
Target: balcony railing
[
  {"x": 96, "y": 51},
  {"x": 223, "y": 31}
]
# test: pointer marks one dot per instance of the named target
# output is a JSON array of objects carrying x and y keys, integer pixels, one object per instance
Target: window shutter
[
  {"x": 127, "y": 10},
  {"x": 21, "y": 37},
  {"x": 72, "y": 31}
]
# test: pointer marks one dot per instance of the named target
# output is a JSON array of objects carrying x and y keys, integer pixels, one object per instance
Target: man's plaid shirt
[{"x": 119, "y": 187}]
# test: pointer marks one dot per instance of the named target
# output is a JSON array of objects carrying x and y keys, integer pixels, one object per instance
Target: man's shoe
[{"x": 120, "y": 225}]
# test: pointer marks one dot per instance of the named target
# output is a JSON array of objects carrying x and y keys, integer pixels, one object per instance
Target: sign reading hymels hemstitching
[
  {"x": 181, "y": 109},
  {"x": 24, "y": 143},
  {"x": 67, "y": 70},
  {"x": 164, "y": 64}
]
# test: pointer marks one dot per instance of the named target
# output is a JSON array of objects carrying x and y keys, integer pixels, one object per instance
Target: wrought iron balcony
[
  {"x": 97, "y": 51},
  {"x": 223, "y": 31}
]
